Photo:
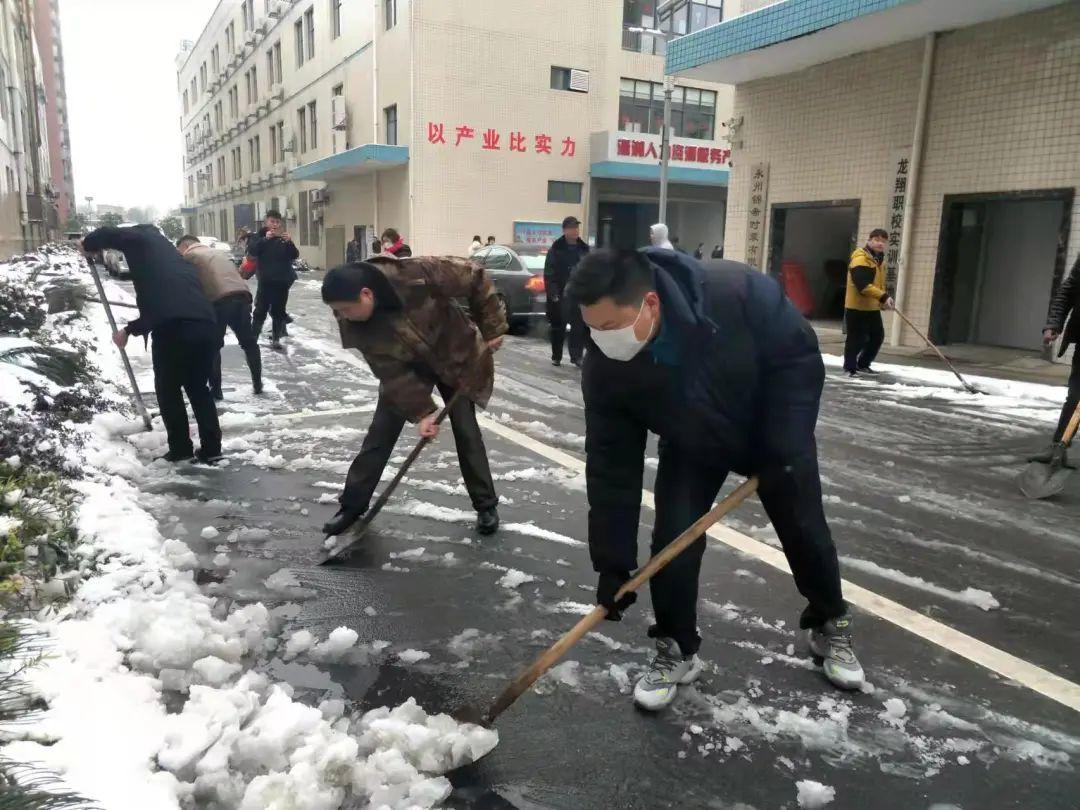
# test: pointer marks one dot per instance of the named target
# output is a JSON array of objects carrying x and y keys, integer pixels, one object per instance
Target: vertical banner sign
[
  {"x": 899, "y": 167},
  {"x": 755, "y": 215}
]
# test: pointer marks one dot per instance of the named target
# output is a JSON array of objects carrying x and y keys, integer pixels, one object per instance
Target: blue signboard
[{"x": 540, "y": 234}]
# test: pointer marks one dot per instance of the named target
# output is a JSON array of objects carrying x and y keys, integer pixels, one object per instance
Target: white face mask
[{"x": 621, "y": 344}]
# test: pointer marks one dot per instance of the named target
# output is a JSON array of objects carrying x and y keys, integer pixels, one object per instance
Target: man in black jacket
[
  {"x": 1064, "y": 319},
  {"x": 720, "y": 365},
  {"x": 563, "y": 257},
  {"x": 174, "y": 311},
  {"x": 274, "y": 254}
]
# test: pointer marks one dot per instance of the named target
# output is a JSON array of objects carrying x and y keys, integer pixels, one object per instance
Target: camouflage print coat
[{"x": 430, "y": 338}]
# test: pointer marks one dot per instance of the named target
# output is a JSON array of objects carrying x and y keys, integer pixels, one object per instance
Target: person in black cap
[{"x": 562, "y": 258}]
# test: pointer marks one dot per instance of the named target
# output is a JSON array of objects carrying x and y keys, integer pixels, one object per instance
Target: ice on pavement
[
  {"x": 514, "y": 578},
  {"x": 969, "y": 596},
  {"x": 811, "y": 794}
]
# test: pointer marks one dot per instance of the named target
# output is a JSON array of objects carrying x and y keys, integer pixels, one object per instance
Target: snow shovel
[
  {"x": 1041, "y": 479},
  {"x": 145, "y": 414},
  {"x": 361, "y": 525},
  {"x": 971, "y": 389},
  {"x": 556, "y": 651}
]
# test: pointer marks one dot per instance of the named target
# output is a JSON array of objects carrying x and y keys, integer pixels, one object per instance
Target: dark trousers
[
  {"x": 865, "y": 334},
  {"x": 1072, "y": 398},
  {"x": 272, "y": 297},
  {"x": 234, "y": 312},
  {"x": 183, "y": 353},
  {"x": 382, "y": 435},
  {"x": 685, "y": 490},
  {"x": 560, "y": 312}
]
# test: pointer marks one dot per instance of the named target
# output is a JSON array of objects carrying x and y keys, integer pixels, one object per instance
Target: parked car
[
  {"x": 115, "y": 263},
  {"x": 215, "y": 243},
  {"x": 519, "y": 281}
]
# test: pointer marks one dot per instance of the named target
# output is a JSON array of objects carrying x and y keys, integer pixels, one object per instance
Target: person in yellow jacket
[{"x": 866, "y": 297}]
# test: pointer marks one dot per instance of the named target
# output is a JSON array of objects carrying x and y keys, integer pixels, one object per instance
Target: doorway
[
  {"x": 1000, "y": 259},
  {"x": 625, "y": 225},
  {"x": 810, "y": 245}
]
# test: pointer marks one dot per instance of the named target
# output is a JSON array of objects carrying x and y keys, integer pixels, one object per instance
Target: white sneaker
[
  {"x": 657, "y": 687},
  {"x": 832, "y": 643}
]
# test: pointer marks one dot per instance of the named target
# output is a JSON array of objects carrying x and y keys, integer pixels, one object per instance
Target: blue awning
[
  {"x": 371, "y": 157},
  {"x": 619, "y": 170},
  {"x": 795, "y": 34}
]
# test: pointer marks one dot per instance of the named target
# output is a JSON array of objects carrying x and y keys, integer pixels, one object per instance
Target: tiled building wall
[{"x": 1003, "y": 117}]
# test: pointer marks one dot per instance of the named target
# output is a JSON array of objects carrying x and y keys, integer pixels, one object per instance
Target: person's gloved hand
[{"x": 607, "y": 587}]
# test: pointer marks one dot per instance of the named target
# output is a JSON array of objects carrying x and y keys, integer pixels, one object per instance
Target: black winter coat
[
  {"x": 743, "y": 394},
  {"x": 274, "y": 259},
  {"x": 1065, "y": 302},
  {"x": 166, "y": 286},
  {"x": 562, "y": 257}
]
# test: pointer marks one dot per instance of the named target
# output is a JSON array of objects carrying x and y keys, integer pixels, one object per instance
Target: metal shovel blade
[{"x": 1040, "y": 480}]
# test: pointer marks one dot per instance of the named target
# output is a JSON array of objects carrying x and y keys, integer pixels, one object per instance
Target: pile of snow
[
  {"x": 813, "y": 794},
  {"x": 515, "y": 579}
]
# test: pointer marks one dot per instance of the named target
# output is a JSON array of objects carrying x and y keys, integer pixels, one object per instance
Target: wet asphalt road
[{"x": 914, "y": 484}]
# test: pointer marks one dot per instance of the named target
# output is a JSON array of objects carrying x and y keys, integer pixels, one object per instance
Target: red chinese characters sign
[
  {"x": 492, "y": 140},
  {"x": 630, "y": 147}
]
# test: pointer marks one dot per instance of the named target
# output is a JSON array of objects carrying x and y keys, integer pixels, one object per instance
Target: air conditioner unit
[
  {"x": 250, "y": 38},
  {"x": 277, "y": 91},
  {"x": 317, "y": 214},
  {"x": 290, "y": 144},
  {"x": 263, "y": 25},
  {"x": 320, "y": 197},
  {"x": 290, "y": 214},
  {"x": 277, "y": 8},
  {"x": 339, "y": 114},
  {"x": 579, "y": 80}
]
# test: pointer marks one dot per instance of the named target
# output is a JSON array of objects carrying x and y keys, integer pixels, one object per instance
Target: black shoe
[
  {"x": 207, "y": 457},
  {"x": 487, "y": 520},
  {"x": 576, "y": 362},
  {"x": 556, "y": 362},
  {"x": 175, "y": 456},
  {"x": 851, "y": 373},
  {"x": 342, "y": 522},
  {"x": 288, "y": 318},
  {"x": 217, "y": 394},
  {"x": 867, "y": 370},
  {"x": 276, "y": 345},
  {"x": 257, "y": 386}
]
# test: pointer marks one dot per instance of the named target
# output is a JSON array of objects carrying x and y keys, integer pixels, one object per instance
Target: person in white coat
[{"x": 658, "y": 236}]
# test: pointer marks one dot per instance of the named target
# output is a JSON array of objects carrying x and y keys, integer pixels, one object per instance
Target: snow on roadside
[{"x": 139, "y": 632}]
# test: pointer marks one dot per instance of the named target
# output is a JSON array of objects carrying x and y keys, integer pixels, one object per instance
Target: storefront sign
[
  {"x": 492, "y": 140},
  {"x": 755, "y": 214},
  {"x": 899, "y": 169},
  {"x": 638, "y": 147},
  {"x": 541, "y": 234}
]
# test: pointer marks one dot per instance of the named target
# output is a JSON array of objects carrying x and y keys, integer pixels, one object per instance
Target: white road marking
[{"x": 1005, "y": 664}]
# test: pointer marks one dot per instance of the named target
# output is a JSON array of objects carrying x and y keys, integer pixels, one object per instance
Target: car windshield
[{"x": 534, "y": 264}]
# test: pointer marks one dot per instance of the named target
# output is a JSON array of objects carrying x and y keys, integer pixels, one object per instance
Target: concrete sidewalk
[{"x": 986, "y": 361}]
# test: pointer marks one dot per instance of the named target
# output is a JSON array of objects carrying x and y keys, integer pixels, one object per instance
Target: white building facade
[{"x": 447, "y": 119}]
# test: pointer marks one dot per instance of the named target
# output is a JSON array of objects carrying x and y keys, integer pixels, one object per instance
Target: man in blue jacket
[
  {"x": 179, "y": 318},
  {"x": 719, "y": 364}
]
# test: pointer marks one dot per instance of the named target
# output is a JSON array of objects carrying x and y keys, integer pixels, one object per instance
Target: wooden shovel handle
[
  {"x": 1070, "y": 429},
  {"x": 556, "y": 651},
  {"x": 938, "y": 351}
]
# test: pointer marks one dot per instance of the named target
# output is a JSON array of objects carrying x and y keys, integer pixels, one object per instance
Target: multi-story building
[
  {"x": 447, "y": 119},
  {"x": 47, "y": 30},
  {"x": 954, "y": 125},
  {"x": 28, "y": 215}
]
